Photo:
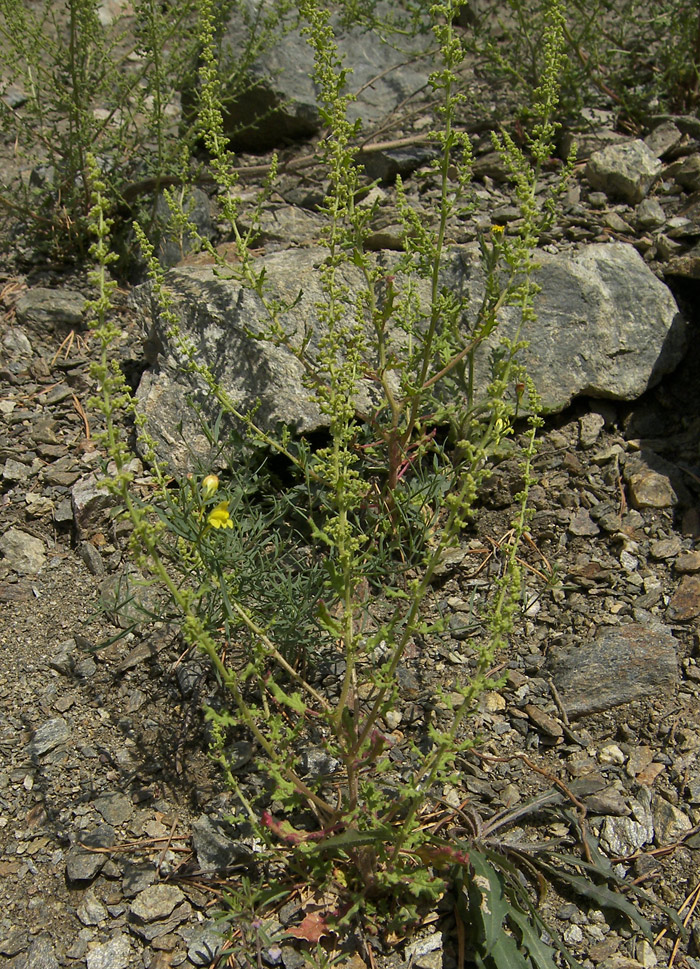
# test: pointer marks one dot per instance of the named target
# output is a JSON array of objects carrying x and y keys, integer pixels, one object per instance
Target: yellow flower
[
  {"x": 498, "y": 230},
  {"x": 219, "y": 516},
  {"x": 209, "y": 486}
]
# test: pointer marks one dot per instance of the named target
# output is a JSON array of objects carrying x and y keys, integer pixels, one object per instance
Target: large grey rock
[
  {"x": 624, "y": 836},
  {"x": 621, "y": 664},
  {"x": 605, "y": 327},
  {"x": 158, "y": 910},
  {"x": 82, "y": 864},
  {"x": 205, "y": 943},
  {"x": 15, "y": 345},
  {"x": 279, "y": 100},
  {"x": 157, "y": 902},
  {"x": 41, "y": 954},
  {"x": 670, "y": 824},
  {"x": 115, "y": 808},
  {"x": 174, "y": 246},
  {"x": 49, "y": 735},
  {"x": 216, "y": 846},
  {"x": 91, "y": 503}
]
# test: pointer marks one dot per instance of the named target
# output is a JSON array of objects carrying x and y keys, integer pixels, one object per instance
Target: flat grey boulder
[
  {"x": 606, "y": 327},
  {"x": 620, "y": 664},
  {"x": 44, "y": 311},
  {"x": 280, "y": 99}
]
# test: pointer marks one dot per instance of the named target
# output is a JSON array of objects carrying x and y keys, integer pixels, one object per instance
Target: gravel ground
[
  {"x": 105, "y": 747},
  {"x": 114, "y": 847}
]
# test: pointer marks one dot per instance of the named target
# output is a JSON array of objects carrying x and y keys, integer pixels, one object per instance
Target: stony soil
[{"x": 114, "y": 852}]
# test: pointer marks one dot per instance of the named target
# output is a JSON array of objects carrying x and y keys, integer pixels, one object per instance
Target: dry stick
[
  {"x": 142, "y": 843},
  {"x": 66, "y": 346},
  {"x": 529, "y": 539},
  {"x": 566, "y": 727},
  {"x": 395, "y": 67},
  {"x": 695, "y": 896},
  {"x": 166, "y": 847},
  {"x": 688, "y": 471},
  {"x": 657, "y": 852},
  {"x": 498, "y": 543},
  {"x": 557, "y": 700},
  {"x": 83, "y": 416},
  {"x": 23, "y": 210},
  {"x": 248, "y": 171}
]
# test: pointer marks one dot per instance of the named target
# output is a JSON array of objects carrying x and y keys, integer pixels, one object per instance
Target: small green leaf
[
  {"x": 291, "y": 700},
  {"x": 352, "y": 838}
]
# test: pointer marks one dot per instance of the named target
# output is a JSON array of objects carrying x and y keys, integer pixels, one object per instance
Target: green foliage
[
  {"x": 496, "y": 905},
  {"x": 113, "y": 89},
  {"x": 88, "y": 88}
]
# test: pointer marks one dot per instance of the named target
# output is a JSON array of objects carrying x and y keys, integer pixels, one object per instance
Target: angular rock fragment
[
  {"x": 215, "y": 846},
  {"x": 621, "y": 664},
  {"x": 114, "y": 954},
  {"x": 156, "y": 902},
  {"x": 49, "y": 735},
  {"x": 45, "y": 310},
  {"x": 22, "y": 552},
  {"x": 83, "y": 864},
  {"x": 685, "y": 601},
  {"x": 623, "y": 171},
  {"x": 670, "y": 824}
]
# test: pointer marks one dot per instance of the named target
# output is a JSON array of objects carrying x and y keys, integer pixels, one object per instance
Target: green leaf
[
  {"x": 488, "y": 901},
  {"x": 627, "y": 886},
  {"x": 291, "y": 700},
  {"x": 540, "y": 953},
  {"x": 524, "y": 914},
  {"x": 602, "y": 896},
  {"x": 352, "y": 838}
]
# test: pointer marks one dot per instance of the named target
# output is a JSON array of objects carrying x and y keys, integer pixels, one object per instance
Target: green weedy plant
[
  {"x": 636, "y": 57},
  {"x": 112, "y": 90},
  {"x": 90, "y": 87},
  {"x": 378, "y": 507}
]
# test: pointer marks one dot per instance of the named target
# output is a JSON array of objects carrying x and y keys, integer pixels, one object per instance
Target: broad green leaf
[
  {"x": 488, "y": 901},
  {"x": 506, "y": 954}
]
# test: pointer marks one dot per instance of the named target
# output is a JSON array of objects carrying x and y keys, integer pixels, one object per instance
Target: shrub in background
[{"x": 637, "y": 57}]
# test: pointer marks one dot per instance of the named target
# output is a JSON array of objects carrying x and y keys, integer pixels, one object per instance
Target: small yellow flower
[
  {"x": 219, "y": 516},
  {"x": 498, "y": 230},
  {"x": 210, "y": 486}
]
